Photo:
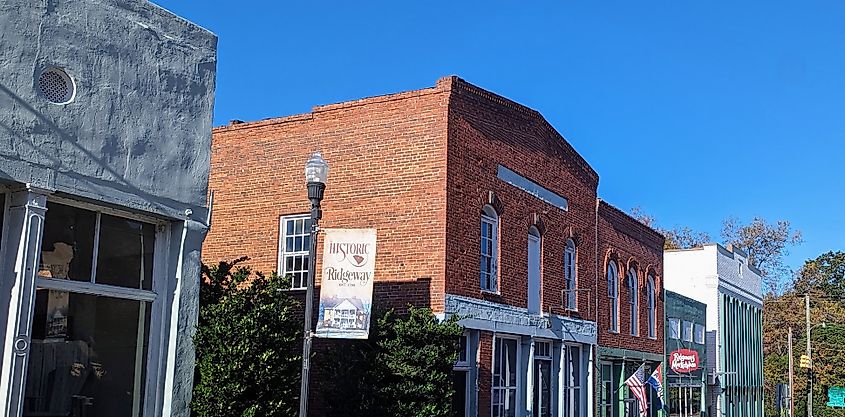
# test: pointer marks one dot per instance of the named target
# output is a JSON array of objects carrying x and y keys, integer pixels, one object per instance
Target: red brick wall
[
  {"x": 387, "y": 159},
  {"x": 485, "y": 372},
  {"x": 487, "y": 130},
  {"x": 629, "y": 243}
]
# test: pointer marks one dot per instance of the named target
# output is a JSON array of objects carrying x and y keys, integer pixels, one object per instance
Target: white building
[
  {"x": 105, "y": 139},
  {"x": 732, "y": 289}
]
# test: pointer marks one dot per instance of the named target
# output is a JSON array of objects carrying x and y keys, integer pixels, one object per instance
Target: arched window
[
  {"x": 534, "y": 270},
  {"x": 569, "y": 275},
  {"x": 652, "y": 312},
  {"x": 489, "y": 249},
  {"x": 633, "y": 300},
  {"x": 613, "y": 293}
]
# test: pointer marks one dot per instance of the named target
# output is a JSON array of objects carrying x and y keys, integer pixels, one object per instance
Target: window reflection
[
  {"x": 87, "y": 356},
  {"x": 67, "y": 248},
  {"x": 125, "y": 254}
]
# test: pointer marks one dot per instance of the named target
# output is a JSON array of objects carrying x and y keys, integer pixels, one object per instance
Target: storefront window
[
  {"x": 91, "y": 317},
  {"x": 78, "y": 241},
  {"x": 87, "y": 356},
  {"x": 684, "y": 401},
  {"x": 543, "y": 379},
  {"x": 505, "y": 366},
  {"x": 572, "y": 382}
]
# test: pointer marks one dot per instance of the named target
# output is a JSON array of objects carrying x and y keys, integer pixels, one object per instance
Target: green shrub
[
  {"x": 246, "y": 345},
  {"x": 403, "y": 369}
]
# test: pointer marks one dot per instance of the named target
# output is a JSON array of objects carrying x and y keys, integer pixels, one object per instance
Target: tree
[
  {"x": 766, "y": 245},
  {"x": 826, "y": 273},
  {"x": 247, "y": 341},
  {"x": 675, "y": 238}
]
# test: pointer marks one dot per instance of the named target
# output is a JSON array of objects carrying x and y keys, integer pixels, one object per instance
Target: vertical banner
[{"x": 346, "y": 292}]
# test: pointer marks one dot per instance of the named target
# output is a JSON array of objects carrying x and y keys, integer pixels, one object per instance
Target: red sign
[{"x": 683, "y": 361}]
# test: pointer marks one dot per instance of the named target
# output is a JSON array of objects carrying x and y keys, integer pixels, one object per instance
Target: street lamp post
[{"x": 316, "y": 173}]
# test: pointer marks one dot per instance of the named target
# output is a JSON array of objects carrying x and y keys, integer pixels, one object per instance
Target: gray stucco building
[{"x": 105, "y": 130}]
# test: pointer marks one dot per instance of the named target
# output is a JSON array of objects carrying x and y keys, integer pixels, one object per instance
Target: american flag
[{"x": 636, "y": 383}]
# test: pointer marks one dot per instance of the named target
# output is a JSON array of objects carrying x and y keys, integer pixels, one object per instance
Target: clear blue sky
[{"x": 692, "y": 110}]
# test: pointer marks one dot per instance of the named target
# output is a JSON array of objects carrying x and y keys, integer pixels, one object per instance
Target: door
[{"x": 533, "y": 273}]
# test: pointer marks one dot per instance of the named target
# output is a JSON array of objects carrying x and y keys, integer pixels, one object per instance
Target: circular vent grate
[{"x": 56, "y": 86}]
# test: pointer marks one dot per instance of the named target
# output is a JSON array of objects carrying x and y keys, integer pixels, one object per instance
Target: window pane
[
  {"x": 67, "y": 248},
  {"x": 462, "y": 349},
  {"x": 289, "y": 244},
  {"x": 125, "y": 255},
  {"x": 674, "y": 328},
  {"x": 87, "y": 357}
]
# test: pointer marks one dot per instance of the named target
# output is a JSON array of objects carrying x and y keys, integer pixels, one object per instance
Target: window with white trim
[
  {"x": 613, "y": 293},
  {"x": 633, "y": 301},
  {"x": 571, "y": 381},
  {"x": 489, "y": 249},
  {"x": 542, "y": 379},
  {"x": 505, "y": 371},
  {"x": 674, "y": 328},
  {"x": 91, "y": 319},
  {"x": 699, "y": 334},
  {"x": 652, "y": 311},
  {"x": 687, "y": 331},
  {"x": 570, "y": 275},
  {"x": 294, "y": 247}
]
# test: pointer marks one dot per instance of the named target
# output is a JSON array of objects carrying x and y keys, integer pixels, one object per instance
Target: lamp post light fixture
[{"x": 316, "y": 173}]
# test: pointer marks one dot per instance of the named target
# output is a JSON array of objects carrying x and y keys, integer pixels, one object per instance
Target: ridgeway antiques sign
[
  {"x": 684, "y": 361},
  {"x": 346, "y": 293}
]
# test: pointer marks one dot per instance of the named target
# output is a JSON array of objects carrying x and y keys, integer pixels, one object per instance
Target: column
[{"x": 19, "y": 266}]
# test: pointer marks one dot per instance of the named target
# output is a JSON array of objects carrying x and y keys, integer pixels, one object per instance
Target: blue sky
[{"x": 693, "y": 111}]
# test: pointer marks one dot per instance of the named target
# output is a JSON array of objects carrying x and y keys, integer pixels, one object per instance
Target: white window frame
[
  {"x": 519, "y": 383},
  {"x": 490, "y": 218},
  {"x": 158, "y": 297},
  {"x": 687, "y": 325},
  {"x": 652, "y": 307},
  {"x": 698, "y": 330},
  {"x": 613, "y": 294},
  {"x": 570, "y": 274},
  {"x": 572, "y": 392},
  {"x": 675, "y": 328},
  {"x": 304, "y": 253},
  {"x": 632, "y": 282}
]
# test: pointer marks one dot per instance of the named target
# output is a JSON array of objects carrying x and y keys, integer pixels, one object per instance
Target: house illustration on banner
[{"x": 344, "y": 313}]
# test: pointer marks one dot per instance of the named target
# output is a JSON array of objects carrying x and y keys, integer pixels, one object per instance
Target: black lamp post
[{"x": 316, "y": 172}]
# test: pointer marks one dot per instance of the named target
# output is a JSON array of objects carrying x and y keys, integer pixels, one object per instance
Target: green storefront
[{"x": 686, "y": 356}]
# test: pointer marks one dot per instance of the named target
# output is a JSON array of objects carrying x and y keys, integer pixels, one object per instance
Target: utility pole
[
  {"x": 791, "y": 384},
  {"x": 809, "y": 355}
]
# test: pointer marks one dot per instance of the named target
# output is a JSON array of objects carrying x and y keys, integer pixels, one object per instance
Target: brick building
[
  {"x": 630, "y": 306},
  {"x": 482, "y": 210}
]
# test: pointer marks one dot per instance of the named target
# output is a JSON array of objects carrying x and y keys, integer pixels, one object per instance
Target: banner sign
[
  {"x": 346, "y": 292},
  {"x": 684, "y": 361}
]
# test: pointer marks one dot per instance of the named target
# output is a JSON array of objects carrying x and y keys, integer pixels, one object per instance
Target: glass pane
[
  {"x": 288, "y": 227},
  {"x": 462, "y": 349},
  {"x": 297, "y": 244},
  {"x": 87, "y": 357},
  {"x": 298, "y": 226},
  {"x": 459, "y": 383},
  {"x": 511, "y": 365},
  {"x": 125, "y": 256},
  {"x": 67, "y": 248},
  {"x": 289, "y": 244}
]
